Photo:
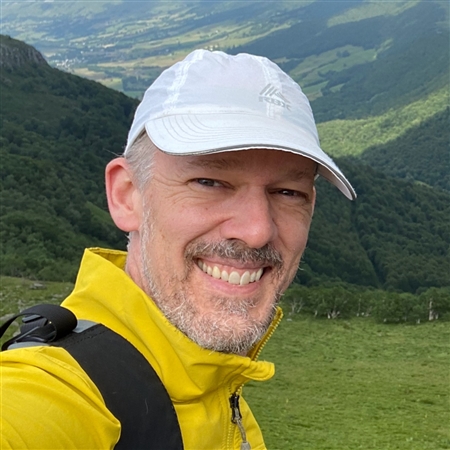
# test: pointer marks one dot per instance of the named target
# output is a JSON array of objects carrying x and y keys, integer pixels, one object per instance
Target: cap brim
[{"x": 193, "y": 134}]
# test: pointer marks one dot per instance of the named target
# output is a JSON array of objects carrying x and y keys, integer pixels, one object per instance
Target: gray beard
[
  {"x": 229, "y": 328},
  {"x": 218, "y": 331}
]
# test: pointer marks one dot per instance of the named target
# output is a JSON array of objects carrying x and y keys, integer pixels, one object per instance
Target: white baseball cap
[{"x": 213, "y": 102}]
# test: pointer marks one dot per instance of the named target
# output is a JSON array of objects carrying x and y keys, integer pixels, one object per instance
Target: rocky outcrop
[{"x": 15, "y": 54}]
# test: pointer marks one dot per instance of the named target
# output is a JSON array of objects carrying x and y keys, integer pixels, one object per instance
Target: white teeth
[
  {"x": 233, "y": 277},
  {"x": 245, "y": 279}
]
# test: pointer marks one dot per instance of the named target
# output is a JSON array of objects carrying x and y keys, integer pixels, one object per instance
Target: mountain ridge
[{"x": 14, "y": 54}]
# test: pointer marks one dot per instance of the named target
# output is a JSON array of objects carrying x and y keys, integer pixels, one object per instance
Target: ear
[
  {"x": 313, "y": 202},
  {"x": 124, "y": 197}
]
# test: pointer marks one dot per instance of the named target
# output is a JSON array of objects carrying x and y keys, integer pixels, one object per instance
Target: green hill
[
  {"x": 352, "y": 137},
  {"x": 393, "y": 80},
  {"x": 395, "y": 235},
  {"x": 421, "y": 154}
]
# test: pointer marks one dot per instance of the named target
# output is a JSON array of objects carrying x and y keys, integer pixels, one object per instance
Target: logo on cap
[{"x": 271, "y": 95}]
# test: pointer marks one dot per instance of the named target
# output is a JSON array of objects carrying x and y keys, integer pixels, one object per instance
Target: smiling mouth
[{"x": 232, "y": 277}]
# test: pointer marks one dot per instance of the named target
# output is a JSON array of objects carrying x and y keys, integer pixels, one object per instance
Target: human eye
[
  {"x": 207, "y": 182},
  {"x": 289, "y": 192},
  {"x": 293, "y": 195}
]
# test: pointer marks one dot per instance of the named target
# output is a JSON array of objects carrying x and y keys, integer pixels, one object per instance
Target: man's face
[{"x": 221, "y": 237}]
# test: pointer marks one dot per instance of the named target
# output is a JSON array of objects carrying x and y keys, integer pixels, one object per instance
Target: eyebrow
[
  {"x": 216, "y": 163},
  {"x": 298, "y": 174}
]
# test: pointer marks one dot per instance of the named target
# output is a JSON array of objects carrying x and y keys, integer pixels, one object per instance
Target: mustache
[{"x": 237, "y": 251}]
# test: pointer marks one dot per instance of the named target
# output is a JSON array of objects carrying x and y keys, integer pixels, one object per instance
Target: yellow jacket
[{"x": 48, "y": 401}]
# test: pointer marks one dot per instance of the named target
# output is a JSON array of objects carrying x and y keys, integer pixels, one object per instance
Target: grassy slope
[
  {"x": 352, "y": 137},
  {"x": 339, "y": 384},
  {"x": 308, "y": 72},
  {"x": 366, "y": 10},
  {"x": 17, "y": 294},
  {"x": 355, "y": 385}
]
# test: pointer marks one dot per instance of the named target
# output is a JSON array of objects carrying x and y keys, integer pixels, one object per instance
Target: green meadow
[
  {"x": 17, "y": 294},
  {"x": 339, "y": 384},
  {"x": 355, "y": 384}
]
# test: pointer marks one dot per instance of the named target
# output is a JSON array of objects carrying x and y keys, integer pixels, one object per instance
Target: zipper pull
[{"x": 236, "y": 418}]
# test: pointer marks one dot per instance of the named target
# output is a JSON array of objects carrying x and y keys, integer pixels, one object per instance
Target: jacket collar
[{"x": 104, "y": 293}]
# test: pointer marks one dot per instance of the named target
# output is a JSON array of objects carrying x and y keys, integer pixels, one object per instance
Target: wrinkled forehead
[{"x": 289, "y": 165}]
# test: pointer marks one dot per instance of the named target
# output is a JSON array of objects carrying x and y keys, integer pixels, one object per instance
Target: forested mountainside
[
  {"x": 394, "y": 236},
  {"x": 421, "y": 154},
  {"x": 58, "y": 131}
]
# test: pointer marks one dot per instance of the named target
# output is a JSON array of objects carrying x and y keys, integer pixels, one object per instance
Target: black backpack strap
[
  {"x": 41, "y": 323},
  {"x": 130, "y": 387}
]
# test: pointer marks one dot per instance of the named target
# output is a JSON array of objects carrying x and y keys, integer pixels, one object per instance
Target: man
[{"x": 216, "y": 191}]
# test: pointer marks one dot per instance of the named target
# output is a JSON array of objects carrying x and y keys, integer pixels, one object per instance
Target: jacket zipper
[
  {"x": 236, "y": 418},
  {"x": 269, "y": 334}
]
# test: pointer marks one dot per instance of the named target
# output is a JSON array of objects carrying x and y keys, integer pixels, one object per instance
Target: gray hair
[{"x": 140, "y": 159}]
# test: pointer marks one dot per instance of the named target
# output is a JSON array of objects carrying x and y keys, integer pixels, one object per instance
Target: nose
[{"x": 250, "y": 219}]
